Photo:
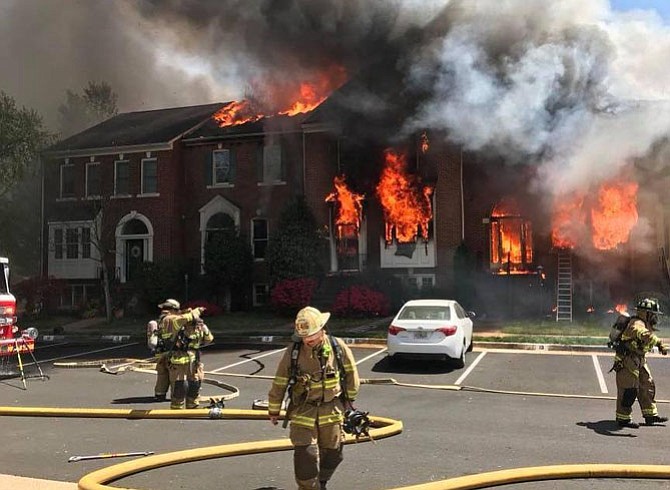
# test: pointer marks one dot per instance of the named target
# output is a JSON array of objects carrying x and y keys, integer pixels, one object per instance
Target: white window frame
[
  {"x": 64, "y": 166},
  {"x": 142, "y": 190},
  {"x": 227, "y": 182},
  {"x": 116, "y": 168},
  {"x": 88, "y": 193},
  {"x": 270, "y": 159},
  {"x": 255, "y": 301}
]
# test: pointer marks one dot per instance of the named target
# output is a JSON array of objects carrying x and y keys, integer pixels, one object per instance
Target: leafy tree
[
  {"x": 22, "y": 137},
  {"x": 295, "y": 249},
  {"x": 228, "y": 263},
  {"x": 80, "y": 111}
]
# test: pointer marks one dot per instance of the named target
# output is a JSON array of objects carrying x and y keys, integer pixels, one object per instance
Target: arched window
[
  {"x": 135, "y": 227},
  {"x": 217, "y": 223}
]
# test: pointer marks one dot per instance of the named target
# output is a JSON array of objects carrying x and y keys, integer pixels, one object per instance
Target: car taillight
[
  {"x": 447, "y": 331},
  {"x": 393, "y": 330}
]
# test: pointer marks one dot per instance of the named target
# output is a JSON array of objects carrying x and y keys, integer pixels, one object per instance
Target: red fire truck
[
  {"x": 7, "y": 302},
  {"x": 12, "y": 339}
]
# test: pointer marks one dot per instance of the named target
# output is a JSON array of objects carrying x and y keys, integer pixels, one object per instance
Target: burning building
[{"x": 484, "y": 148}]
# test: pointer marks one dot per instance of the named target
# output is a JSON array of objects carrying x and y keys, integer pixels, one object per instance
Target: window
[
  {"x": 259, "y": 231},
  {"x": 223, "y": 167},
  {"x": 86, "y": 243},
  {"x": 149, "y": 176},
  {"x": 218, "y": 223},
  {"x": 67, "y": 180},
  {"x": 72, "y": 243},
  {"x": 121, "y": 178},
  {"x": 93, "y": 179},
  {"x": 271, "y": 164},
  {"x": 58, "y": 243},
  {"x": 511, "y": 240},
  {"x": 261, "y": 294}
]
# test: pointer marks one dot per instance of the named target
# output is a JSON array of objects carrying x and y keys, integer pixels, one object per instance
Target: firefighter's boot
[
  {"x": 655, "y": 419},
  {"x": 628, "y": 423}
]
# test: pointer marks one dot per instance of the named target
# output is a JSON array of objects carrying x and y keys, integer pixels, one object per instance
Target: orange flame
[
  {"x": 287, "y": 100},
  {"x": 425, "y": 144},
  {"x": 615, "y": 215},
  {"x": 567, "y": 222},
  {"x": 621, "y": 308},
  {"x": 349, "y": 209},
  {"x": 612, "y": 217},
  {"x": 405, "y": 201},
  {"x": 507, "y": 235}
]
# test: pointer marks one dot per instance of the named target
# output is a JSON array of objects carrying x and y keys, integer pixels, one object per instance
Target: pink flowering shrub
[
  {"x": 361, "y": 301},
  {"x": 292, "y": 294},
  {"x": 210, "y": 308}
]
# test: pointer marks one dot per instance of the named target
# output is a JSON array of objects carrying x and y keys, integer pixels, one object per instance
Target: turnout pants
[
  {"x": 318, "y": 449},
  {"x": 185, "y": 380},
  {"x": 634, "y": 381},
  {"x": 162, "y": 376}
]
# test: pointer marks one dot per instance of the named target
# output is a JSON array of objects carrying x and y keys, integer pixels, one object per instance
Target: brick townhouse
[{"x": 166, "y": 178}]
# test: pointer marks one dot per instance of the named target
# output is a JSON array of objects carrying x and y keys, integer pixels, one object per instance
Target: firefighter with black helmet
[
  {"x": 169, "y": 375},
  {"x": 633, "y": 377},
  {"x": 319, "y": 372}
]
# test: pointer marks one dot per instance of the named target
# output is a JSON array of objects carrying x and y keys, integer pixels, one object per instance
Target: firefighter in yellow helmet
[
  {"x": 319, "y": 372},
  {"x": 633, "y": 377},
  {"x": 169, "y": 375}
]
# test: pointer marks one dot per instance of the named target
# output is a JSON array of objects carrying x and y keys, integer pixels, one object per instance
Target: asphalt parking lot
[{"x": 515, "y": 409}]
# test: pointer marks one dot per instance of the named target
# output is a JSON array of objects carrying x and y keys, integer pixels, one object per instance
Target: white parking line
[
  {"x": 470, "y": 368},
  {"x": 371, "y": 355},
  {"x": 599, "y": 373},
  {"x": 78, "y": 354},
  {"x": 251, "y": 359}
]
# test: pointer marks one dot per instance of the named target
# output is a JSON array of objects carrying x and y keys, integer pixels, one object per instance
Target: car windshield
[{"x": 425, "y": 313}]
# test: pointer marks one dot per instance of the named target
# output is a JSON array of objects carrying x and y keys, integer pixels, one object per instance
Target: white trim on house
[
  {"x": 121, "y": 239},
  {"x": 216, "y": 205}
]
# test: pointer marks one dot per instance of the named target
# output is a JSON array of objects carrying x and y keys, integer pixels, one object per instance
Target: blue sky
[{"x": 661, "y": 6}]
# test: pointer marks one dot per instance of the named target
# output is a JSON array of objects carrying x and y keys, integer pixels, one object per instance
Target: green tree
[
  {"x": 80, "y": 111},
  {"x": 295, "y": 249},
  {"x": 22, "y": 137},
  {"x": 229, "y": 264}
]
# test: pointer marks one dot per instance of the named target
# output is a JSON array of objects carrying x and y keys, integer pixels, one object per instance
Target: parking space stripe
[
  {"x": 251, "y": 359},
  {"x": 599, "y": 373},
  {"x": 470, "y": 368},
  {"x": 371, "y": 355}
]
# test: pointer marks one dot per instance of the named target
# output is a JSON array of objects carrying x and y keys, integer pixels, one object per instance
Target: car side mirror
[{"x": 471, "y": 314}]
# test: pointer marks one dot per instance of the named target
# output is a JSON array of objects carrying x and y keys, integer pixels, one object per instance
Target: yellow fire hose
[{"x": 381, "y": 428}]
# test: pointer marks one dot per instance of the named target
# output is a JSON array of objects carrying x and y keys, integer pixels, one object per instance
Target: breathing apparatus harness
[{"x": 356, "y": 422}]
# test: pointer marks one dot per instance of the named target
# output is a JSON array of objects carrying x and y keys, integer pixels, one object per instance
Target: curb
[{"x": 282, "y": 340}]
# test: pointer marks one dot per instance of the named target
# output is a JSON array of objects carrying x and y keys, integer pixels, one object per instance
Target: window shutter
[
  {"x": 232, "y": 155},
  {"x": 208, "y": 168}
]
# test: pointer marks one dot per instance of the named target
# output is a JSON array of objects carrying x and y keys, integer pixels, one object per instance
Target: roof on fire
[{"x": 143, "y": 128}]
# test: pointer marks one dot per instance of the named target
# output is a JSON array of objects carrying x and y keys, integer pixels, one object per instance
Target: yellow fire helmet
[
  {"x": 309, "y": 321},
  {"x": 170, "y": 304}
]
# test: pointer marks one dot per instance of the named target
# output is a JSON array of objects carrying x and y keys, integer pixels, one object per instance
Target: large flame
[
  {"x": 615, "y": 214},
  {"x": 511, "y": 237},
  {"x": 349, "y": 206},
  {"x": 612, "y": 217},
  {"x": 568, "y": 221},
  {"x": 287, "y": 99},
  {"x": 405, "y": 201}
]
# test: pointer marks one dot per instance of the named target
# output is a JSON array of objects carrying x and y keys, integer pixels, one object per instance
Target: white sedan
[{"x": 438, "y": 328}]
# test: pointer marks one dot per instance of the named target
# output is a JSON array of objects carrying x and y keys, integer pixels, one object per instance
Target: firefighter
[
  {"x": 319, "y": 373},
  {"x": 197, "y": 335},
  {"x": 633, "y": 377},
  {"x": 170, "y": 325}
]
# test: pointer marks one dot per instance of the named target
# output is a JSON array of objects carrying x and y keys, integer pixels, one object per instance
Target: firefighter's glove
[{"x": 663, "y": 348}]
